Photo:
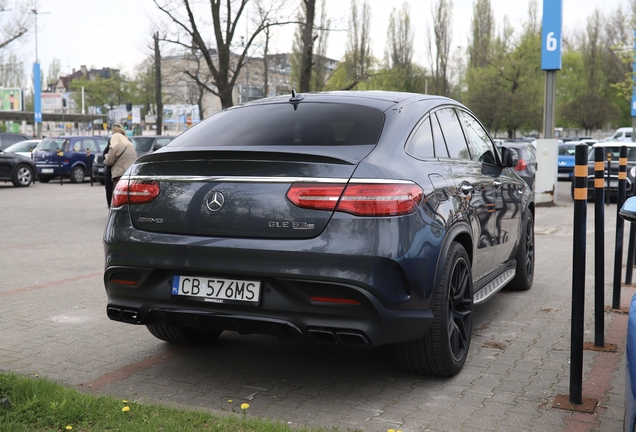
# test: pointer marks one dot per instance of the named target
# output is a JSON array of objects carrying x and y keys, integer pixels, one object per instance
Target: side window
[
  {"x": 421, "y": 143},
  {"x": 453, "y": 134},
  {"x": 102, "y": 143},
  {"x": 77, "y": 146},
  {"x": 438, "y": 138},
  {"x": 162, "y": 142},
  {"x": 90, "y": 144},
  {"x": 481, "y": 148}
]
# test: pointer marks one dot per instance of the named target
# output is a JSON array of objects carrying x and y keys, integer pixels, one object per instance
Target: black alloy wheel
[
  {"x": 524, "y": 275},
  {"x": 444, "y": 350}
]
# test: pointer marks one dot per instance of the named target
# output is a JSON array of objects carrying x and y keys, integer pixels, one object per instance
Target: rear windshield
[
  {"x": 567, "y": 150},
  {"x": 142, "y": 144},
  {"x": 309, "y": 124},
  {"x": 51, "y": 144}
]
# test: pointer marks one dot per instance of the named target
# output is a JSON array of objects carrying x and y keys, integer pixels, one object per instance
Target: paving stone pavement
[{"x": 53, "y": 323}]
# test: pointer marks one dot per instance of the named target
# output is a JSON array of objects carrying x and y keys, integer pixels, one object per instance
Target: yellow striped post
[{"x": 620, "y": 223}]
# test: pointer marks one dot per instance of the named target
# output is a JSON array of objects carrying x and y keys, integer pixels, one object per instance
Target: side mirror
[
  {"x": 509, "y": 157},
  {"x": 628, "y": 211}
]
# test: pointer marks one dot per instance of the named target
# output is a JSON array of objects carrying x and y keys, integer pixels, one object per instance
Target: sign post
[
  {"x": 37, "y": 100},
  {"x": 547, "y": 148}
]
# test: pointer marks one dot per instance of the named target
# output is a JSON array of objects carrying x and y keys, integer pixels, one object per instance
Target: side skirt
[{"x": 492, "y": 287}]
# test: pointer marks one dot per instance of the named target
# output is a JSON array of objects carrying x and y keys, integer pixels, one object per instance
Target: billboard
[
  {"x": 51, "y": 102},
  {"x": 10, "y": 99}
]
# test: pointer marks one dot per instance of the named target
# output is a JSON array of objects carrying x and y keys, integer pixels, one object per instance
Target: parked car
[
  {"x": 23, "y": 148},
  {"x": 352, "y": 218},
  {"x": 74, "y": 161},
  {"x": 565, "y": 169},
  {"x": 623, "y": 134},
  {"x": 9, "y": 138},
  {"x": 612, "y": 149},
  {"x": 16, "y": 168},
  {"x": 526, "y": 166},
  {"x": 143, "y": 145}
]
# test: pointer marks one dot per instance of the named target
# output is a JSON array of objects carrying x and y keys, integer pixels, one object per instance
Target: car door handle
[
  {"x": 466, "y": 188},
  {"x": 497, "y": 184}
]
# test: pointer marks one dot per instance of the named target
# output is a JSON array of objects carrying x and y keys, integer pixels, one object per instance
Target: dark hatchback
[
  {"x": 352, "y": 218},
  {"x": 74, "y": 161},
  {"x": 611, "y": 150},
  {"x": 19, "y": 170},
  {"x": 143, "y": 145}
]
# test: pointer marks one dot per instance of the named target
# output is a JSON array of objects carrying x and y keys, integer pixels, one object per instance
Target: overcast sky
[{"x": 118, "y": 34}]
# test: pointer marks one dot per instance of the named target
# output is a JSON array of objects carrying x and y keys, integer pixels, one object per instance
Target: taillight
[
  {"x": 360, "y": 199},
  {"x": 521, "y": 165},
  {"x": 134, "y": 192},
  {"x": 315, "y": 195}
]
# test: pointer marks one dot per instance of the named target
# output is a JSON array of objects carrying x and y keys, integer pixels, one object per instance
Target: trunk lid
[{"x": 239, "y": 193}]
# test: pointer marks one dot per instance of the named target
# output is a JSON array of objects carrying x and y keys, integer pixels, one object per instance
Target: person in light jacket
[{"x": 121, "y": 154}]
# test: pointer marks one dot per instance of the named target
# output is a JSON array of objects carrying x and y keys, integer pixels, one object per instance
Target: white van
[{"x": 622, "y": 134}]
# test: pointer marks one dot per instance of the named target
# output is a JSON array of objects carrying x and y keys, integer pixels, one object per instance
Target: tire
[
  {"x": 188, "y": 336},
  {"x": 23, "y": 176},
  {"x": 77, "y": 174},
  {"x": 525, "y": 258},
  {"x": 44, "y": 179},
  {"x": 444, "y": 350}
]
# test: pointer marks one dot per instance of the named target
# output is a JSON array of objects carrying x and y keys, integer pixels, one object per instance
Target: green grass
[{"x": 41, "y": 405}]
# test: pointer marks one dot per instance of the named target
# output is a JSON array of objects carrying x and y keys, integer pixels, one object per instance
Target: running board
[{"x": 493, "y": 287}]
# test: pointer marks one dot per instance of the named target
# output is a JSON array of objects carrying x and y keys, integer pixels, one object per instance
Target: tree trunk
[
  {"x": 308, "y": 46},
  {"x": 159, "y": 102}
]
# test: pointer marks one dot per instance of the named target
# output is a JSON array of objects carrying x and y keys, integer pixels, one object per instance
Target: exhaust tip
[
  {"x": 114, "y": 313},
  {"x": 354, "y": 339},
  {"x": 130, "y": 316},
  {"x": 323, "y": 336}
]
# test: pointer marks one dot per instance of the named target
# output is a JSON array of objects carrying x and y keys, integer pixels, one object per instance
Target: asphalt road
[{"x": 53, "y": 323}]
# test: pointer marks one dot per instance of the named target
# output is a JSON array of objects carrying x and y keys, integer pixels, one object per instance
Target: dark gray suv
[{"x": 350, "y": 218}]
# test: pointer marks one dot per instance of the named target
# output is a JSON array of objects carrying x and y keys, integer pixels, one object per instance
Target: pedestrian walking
[{"x": 120, "y": 156}]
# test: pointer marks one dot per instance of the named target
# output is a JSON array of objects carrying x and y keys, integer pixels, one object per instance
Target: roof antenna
[{"x": 296, "y": 97}]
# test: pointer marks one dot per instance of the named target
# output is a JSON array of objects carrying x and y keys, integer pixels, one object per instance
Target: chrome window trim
[{"x": 248, "y": 179}]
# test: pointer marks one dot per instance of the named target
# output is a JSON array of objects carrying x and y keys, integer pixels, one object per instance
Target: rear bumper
[
  {"x": 285, "y": 310},
  {"x": 393, "y": 286}
]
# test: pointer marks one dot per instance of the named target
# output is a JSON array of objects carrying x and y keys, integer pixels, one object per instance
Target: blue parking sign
[{"x": 551, "y": 35}]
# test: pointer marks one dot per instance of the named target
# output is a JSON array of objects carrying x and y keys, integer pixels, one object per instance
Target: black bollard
[
  {"x": 599, "y": 247},
  {"x": 89, "y": 164},
  {"x": 60, "y": 153},
  {"x": 607, "y": 179},
  {"x": 578, "y": 273},
  {"x": 618, "y": 255}
]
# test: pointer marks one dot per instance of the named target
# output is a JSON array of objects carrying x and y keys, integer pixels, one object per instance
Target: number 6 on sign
[{"x": 551, "y": 42}]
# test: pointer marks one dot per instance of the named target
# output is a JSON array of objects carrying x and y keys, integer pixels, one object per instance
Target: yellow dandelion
[
  {"x": 124, "y": 409},
  {"x": 229, "y": 401},
  {"x": 69, "y": 427},
  {"x": 245, "y": 406},
  {"x": 390, "y": 430},
  {"x": 125, "y": 401}
]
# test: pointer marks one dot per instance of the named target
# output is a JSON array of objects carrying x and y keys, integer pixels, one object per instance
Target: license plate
[
  {"x": 613, "y": 184},
  {"x": 564, "y": 175},
  {"x": 217, "y": 290},
  {"x": 100, "y": 170},
  {"x": 47, "y": 171}
]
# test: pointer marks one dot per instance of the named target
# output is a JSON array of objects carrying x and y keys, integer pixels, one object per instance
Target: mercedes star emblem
[{"x": 215, "y": 201}]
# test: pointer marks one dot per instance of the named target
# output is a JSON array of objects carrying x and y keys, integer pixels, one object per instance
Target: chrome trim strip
[{"x": 246, "y": 179}]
